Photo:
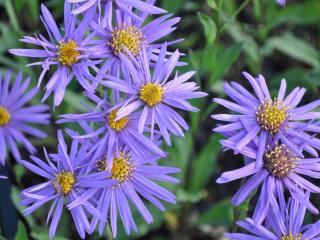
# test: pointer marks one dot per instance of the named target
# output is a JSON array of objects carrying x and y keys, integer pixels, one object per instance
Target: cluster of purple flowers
[
  {"x": 277, "y": 139},
  {"x": 115, "y": 52}
]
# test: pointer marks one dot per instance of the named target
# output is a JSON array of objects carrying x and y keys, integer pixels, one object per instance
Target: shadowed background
[{"x": 222, "y": 39}]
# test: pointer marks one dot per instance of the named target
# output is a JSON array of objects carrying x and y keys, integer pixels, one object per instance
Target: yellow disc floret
[
  {"x": 280, "y": 161},
  {"x": 4, "y": 116},
  {"x": 68, "y": 53},
  {"x": 64, "y": 182},
  {"x": 122, "y": 168},
  {"x": 271, "y": 115},
  {"x": 126, "y": 37},
  {"x": 118, "y": 125},
  {"x": 292, "y": 237},
  {"x": 151, "y": 94}
]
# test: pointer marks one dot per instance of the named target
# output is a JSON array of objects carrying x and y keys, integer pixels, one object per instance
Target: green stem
[
  {"x": 12, "y": 15},
  {"x": 237, "y": 212},
  {"x": 241, "y": 7},
  {"x": 223, "y": 26}
]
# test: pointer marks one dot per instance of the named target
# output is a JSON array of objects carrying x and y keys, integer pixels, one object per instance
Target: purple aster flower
[
  {"x": 15, "y": 117},
  {"x": 259, "y": 116},
  {"x": 284, "y": 222},
  {"x": 156, "y": 92},
  {"x": 69, "y": 53},
  {"x": 68, "y": 180},
  {"x": 281, "y": 171},
  {"x": 111, "y": 132},
  {"x": 281, "y": 2},
  {"x": 135, "y": 176},
  {"x": 126, "y": 35},
  {"x": 125, "y": 6}
]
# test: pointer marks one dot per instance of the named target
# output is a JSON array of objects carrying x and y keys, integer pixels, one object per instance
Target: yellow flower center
[
  {"x": 126, "y": 37},
  {"x": 118, "y": 125},
  {"x": 68, "y": 53},
  {"x": 64, "y": 182},
  {"x": 271, "y": 115},
  {"x": 151, "y": 94},
  {"x": 122, "y": 168},
  {"x": 4, "y": 116},
  {"x": 292, "y": 237},
  {"x": 280, "y": 161}
]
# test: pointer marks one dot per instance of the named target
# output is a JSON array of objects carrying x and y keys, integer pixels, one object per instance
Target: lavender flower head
[
  {"x": 281, "y": 2},
  {"x": 135, "y": 176},
  {"x": 125, "y": 35},
  {"x": 284, "y": 222},
  {"x": 259, "y": 116},
  {"x": 281, "y": 171},
  {"x": 68, "y": 180},
  {"x": 125, "y": 6},
  {"x": 111, "y": 133},
  {"x": 15, "y": 117},
  {"x": 69, "y": 53},
  {"x": 156, "y": 93}
]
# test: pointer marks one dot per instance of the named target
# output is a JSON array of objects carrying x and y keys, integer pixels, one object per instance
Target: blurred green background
[{"x": 222, "y": 39}]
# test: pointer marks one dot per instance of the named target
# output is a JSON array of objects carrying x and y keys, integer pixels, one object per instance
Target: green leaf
[
  {"x": 179, "y": 154},
  {"x": 208, "y": 58},
  {"x": 41, "y": 233},
  {"x": 250, "y": 46},
  {"x": 172, "y": 6},
  {"x": 306, "y": 12},
  {"x": 34, "y": 9},
  {"x": 9, "y": 38},
  {"x": 204, "y": 164},
  {"x": 224, "y": 61},
  {"x": 294, "y": 47},
  {"x": 19, "y": 170},
  {"x": 184, "y": 196},
  {"x": 195, "y": 116},
  {"x": 240, "y": 212},
  {"x": 12, "y": 15},
  {"x": 257, "y": 8},
  {"x": 212, "y": 4},
  {"x": 210, "y": 28},
  {"x": 22, "y": 232},
  {"x": 220, "y": 214},
  {"x": 76, "y": 100}
]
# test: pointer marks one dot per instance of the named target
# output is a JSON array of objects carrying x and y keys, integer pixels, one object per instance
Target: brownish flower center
[
  {"x": 292, "y": 237},
  {"x": 280, "y": 161},
  {"x": 122, "y": 168}
]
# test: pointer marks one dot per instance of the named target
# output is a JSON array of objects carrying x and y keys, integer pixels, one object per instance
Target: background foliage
[{"x": 222, "y": 38}]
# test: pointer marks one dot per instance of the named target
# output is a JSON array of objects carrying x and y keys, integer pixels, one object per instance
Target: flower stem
[{"x": 241, "y": 7}]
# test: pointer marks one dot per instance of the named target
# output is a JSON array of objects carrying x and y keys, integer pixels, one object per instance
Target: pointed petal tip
[{"x": 219, "y": 180}]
